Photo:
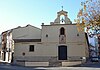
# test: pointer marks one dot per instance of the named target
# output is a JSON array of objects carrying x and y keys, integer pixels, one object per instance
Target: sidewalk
[{"x": 89, "y": 64}]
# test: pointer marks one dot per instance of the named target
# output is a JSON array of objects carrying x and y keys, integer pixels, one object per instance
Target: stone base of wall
[
  {"x": 46, "y": 58},
  {"x": 54, "y": 64},
  {"x": 36, "y": 63},
  {"x": 47, "y": 61},
  {"x": 20, "y": 62},
  {"x": 66, "y": 64}
]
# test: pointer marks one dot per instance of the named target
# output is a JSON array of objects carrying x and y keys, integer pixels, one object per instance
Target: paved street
[
  {"x": 89, "y": 66},
  {"x": 4, "y": 66}
]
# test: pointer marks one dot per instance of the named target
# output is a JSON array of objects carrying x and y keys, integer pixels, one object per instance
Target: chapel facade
[{"x": 56, "y": 44}]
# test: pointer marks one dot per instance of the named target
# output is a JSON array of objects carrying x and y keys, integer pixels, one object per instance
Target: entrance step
[{"x": 57, "y": 63}]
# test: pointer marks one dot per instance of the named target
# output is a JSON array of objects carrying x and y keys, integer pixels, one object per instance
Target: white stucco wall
[
  {"x": 75, "y": 49},
  {"x": 28, "y": 32},
  {"x": 76, "y": 45},
  {"x": 39, "y": 49},
  {"x": 48, "y": 50},
  {"x": 53, "y": 32}
]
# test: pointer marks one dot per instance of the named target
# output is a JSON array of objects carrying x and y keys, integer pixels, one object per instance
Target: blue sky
[{"x": 15, "y": 13}]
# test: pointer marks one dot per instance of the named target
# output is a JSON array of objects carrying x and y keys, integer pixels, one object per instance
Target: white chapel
[{"x": 56, "y": 44}]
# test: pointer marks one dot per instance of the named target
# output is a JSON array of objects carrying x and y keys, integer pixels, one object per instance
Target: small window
[
  {"x": 62, "y": 31},
  {"x": 31, "y": 48},
  {"x": 77, "y": 34},
  {"x": 46, "y": 35}
]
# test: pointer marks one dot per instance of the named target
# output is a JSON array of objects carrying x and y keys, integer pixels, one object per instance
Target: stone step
[{"x": 55, "y": 64}]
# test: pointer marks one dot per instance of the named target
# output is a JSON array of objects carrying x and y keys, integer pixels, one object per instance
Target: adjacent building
[
  {"x": 0, "y": 47},
  {"x": 56, "y": 44},
  {"x": 7, "y": 46}
]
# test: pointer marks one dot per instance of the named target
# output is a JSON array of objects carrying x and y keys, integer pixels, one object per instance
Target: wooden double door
[{"x": 62, "y": 52}]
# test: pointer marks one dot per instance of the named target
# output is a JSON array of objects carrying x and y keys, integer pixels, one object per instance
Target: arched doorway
[{"x": 62, "y": 52}]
